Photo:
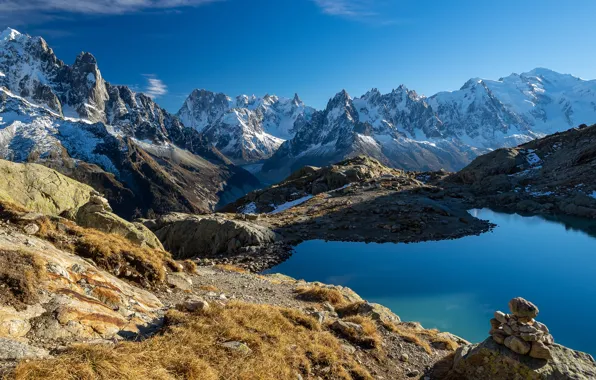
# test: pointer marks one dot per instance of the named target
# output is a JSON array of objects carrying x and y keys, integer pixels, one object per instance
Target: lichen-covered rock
[
  {"x": 14, "y": 350},
  {"x": 517, "y": 345},
  {"x": 491, "y": 361},
  {"x": 540, "y": 351},
  {"x": 97, "y": 214},
  {"x": 40, "y": 189},
  {"x": 188, "y": 236}
]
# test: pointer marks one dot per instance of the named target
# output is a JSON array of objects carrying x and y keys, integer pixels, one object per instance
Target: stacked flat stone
[{"x": 520, "y": 332}]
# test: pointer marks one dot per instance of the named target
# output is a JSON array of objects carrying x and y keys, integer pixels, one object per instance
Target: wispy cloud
[
  {"x": 20, "y": 12},
  {"x": 96, "y": 6},
  {"x": 346, "y": 8},
  {"x": 369, "y": 11},
  {"x": 155, "y": 87}
]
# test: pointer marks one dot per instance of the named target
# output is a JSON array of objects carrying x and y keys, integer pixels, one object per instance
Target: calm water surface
[{"x": 456, "y": 285}]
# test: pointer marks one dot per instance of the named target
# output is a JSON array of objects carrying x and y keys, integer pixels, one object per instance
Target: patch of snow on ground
[
  {"x": 533, "y": 158},
  {"x": 341, "y": 188},
  {"x": 541, "y": 193},
  {"x": 250, "y": 208},
  {"x": 2, "y": 74},
  {"x": 289, "y": 205},
  {"x": 593, "y": 195}
]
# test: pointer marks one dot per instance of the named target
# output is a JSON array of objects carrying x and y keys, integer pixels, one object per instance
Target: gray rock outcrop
[
  {"x": 187, "y": 236},
  {"x": 97, "y": 214},
  {"x": 520, "y": 348},
  {"x": 492, "y": 361}
]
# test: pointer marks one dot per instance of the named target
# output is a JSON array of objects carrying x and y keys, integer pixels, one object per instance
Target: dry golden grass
[
  {"x": 110, "y": 252},
  {"x": 122, "y": 257},
  {"x": 8, "y": 209},
  {"x": 369, "y": 337},
  {"x": 449, "y": 344},
  {"x": 209, "y": 288},
  {"x": 408, "y": 334},
  {"x": 20, "y": 275},
  {"x": 107, "y": 296},
  {"x": 231, "y": 268},
  {"x": 189, "y": 266},
  {"x": 349, "y": 309},
  {"x": 283, "y": 344},
  {"x": 316, "y": 293},
  {"x": 434, "y": 336}
]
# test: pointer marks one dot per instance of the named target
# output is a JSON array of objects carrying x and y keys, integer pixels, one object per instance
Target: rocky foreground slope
[{"x": 86, "y": 294}]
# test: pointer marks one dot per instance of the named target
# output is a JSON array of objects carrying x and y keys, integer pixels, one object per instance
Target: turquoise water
[{"x": 456, "y": 285}]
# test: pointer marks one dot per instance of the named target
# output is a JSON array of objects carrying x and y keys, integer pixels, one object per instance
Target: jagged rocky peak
[
  {"x": 246, "y": 128},
  {"x": 203, "y": 107},
  {"x": 341, "y": 97},
  {"x": 296, "y": 101},
  {"x": 87, "y": 83}
]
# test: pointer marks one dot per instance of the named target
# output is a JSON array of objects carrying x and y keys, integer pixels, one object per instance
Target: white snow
[
  {"x": 541, "y": 193},
  {"x": 2, "y": 74},
  {"x": 593, "y": 195},
  {"x": 289, "y": 205},
  {"x": 9, "y": 34},
  {"x": 250, "y": 208},
  {"x": 533, "y": 158},
  {"x": 341, "y": 188}
]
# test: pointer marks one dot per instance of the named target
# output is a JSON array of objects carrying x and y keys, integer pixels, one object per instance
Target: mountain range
[
  {"x": 121, "y": 142},
  {"x": 146, "y": 159},
  {"x": 402, "y": 128}
]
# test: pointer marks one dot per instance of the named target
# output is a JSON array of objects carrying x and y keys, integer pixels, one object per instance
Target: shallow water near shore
[{"x": 456, "y": 285}]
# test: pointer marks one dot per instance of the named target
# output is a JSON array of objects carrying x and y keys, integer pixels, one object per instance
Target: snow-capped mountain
[
  {"x": 447, "y": 130},
  {"x": 70, "y": 118},
  {"x": 246, "y": 128},
  {"x": 349, "y": 127}
]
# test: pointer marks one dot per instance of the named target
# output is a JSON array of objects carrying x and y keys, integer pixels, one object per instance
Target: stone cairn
[{"x": 519, "y": 331}]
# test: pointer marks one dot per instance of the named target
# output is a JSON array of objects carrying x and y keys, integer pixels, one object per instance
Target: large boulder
[
  {"x": 492, "y": 361},
  {"x": 188, "y": 236},
  {"x": 97, "y": 214},
  {"x": 40, "y": 189},
  {"x": 501, "y": 161}
]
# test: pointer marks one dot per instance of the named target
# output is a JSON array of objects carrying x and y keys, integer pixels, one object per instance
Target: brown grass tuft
[
  {"x": 209, "y": 288},
  {"x": 107, "y": 296},
  {"x": 282, "y": 343},
  {"x": 20, "y": 275},
  {"x": 231, "y": 268},
  {"x": 349, "y": 309},
  {"x": 409, "y": 334},
  {"x": 189, "y": 266},
  {"x": 120, "y": 256},
  {"x": 449, "y": 344},
  {"x": 316, "y": 293},
  {"x": 368, "y": 337}
]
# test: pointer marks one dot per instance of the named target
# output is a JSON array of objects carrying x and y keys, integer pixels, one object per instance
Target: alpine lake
[{"x": 457, "y": 285}]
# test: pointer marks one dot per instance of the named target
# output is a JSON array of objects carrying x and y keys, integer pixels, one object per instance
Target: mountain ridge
[{"x": 68, "y": 116}]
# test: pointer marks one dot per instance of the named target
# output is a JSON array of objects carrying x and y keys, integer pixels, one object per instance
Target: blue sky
[{"x": 312, "y": 47}]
